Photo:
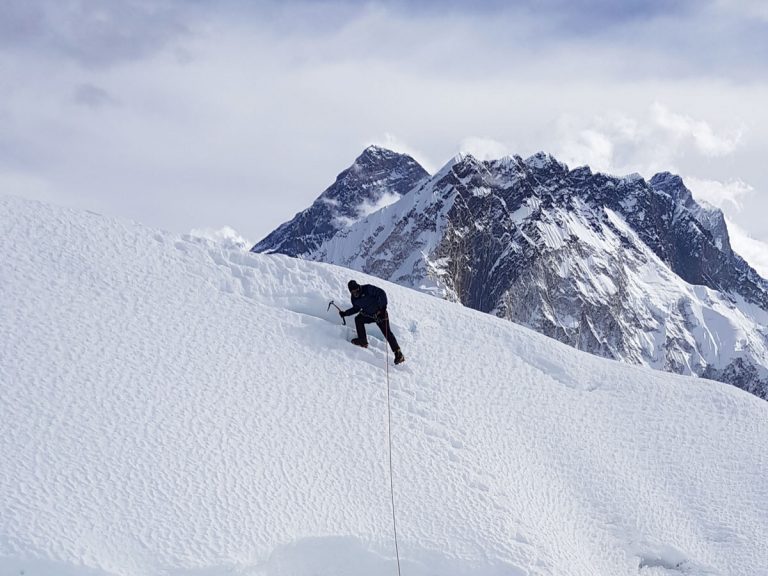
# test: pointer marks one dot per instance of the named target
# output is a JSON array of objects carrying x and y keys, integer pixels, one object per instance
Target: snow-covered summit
[
  {"x": 448, "y": 167},
  {"x": 544, "y": 161},
  {"x": 377, "y": 178},
  {"x": 673, "y": 185},
  {"x": 375, "y": 154},
  {"x": 634, "y": 177},
  {"x": 170, "y": 407}
]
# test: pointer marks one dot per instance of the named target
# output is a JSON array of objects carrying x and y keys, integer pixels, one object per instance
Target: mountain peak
[
  {"x": 633, "y": 177},
  {"x": 673, "y": 185},
  {"x": 710, "y": 217},
  {"x": 376, "y": 158},
  {"x": 663, "y": 179},
  {"x": 377, "y": 178},
  {"x": 542, "y": 160},
  {"x": 460, "y": 158},
  {"x": 374, "y": 153}
]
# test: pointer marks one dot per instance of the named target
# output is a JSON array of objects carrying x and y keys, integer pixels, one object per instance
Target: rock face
[{"x": 624, "y": 268}]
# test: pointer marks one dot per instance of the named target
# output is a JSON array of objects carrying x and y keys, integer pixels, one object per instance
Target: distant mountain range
[{"x": 626, "y": 268}]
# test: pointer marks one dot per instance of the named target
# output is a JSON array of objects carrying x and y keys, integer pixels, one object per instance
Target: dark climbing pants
[{"x": 361, "y": 320}]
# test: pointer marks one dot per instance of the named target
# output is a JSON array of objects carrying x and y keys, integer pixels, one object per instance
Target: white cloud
[
  {"x": 749, "y": 8},
  {"x": 655, "y": 140},
  {"x": 484, "y": 148},
  {"x": 684, "y": 128},
  {"x": 720, "y": 194},
  {"x": 386, "y": 199},
  {"x": 590, "y": 146},
  {"x": 364, "y": 209},
  {"x": 273, "y": 103},
  {"x": 753, "y": 251}
]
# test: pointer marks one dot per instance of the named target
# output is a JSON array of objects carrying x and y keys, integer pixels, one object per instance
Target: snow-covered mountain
[
  {"x": 624, "y": 268},
  {"x": 170, "y": 407},
  {"x": 377, "y": 178}
]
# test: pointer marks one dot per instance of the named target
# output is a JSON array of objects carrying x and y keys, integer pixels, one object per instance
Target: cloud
[
  {"x": 590, "y": 146},
  {"x": 365, "y": 209},
  {"x": 386, "y": 199},
  {"x": 277, "y": 98},
  {"x": 719, "y": 194},
  {"x": 684, "y": 128},
  {"x": 91, "y": 32},
  {"x": 658, "y": 140},
  {"x": 92, "y": 96},
  {"x": 484, "y": 148},
  {"x": 753, "y": 251},
  {"x": 748, "y": 8},
  {"x": 20, "y": 21}
]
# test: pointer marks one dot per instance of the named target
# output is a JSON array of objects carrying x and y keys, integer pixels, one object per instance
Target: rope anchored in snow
[{"x": 389, "y": 433}]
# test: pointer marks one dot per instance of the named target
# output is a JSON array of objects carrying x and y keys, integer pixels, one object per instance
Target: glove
[
  {"x": 341, "y": 314},
  {"x": 381, "y": 314}
]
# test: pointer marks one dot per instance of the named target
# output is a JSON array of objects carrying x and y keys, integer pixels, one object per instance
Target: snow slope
[{"x": 169, "y": 407}]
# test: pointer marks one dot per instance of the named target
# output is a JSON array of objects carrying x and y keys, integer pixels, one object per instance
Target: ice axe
[{"x": 332, "y": 303}]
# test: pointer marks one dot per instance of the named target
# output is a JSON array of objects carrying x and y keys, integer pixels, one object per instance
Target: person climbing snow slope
[{"x": 369, "y": 302}]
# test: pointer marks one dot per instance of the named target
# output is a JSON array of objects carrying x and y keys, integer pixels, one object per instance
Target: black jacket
[{"x": 370, "y": 301}]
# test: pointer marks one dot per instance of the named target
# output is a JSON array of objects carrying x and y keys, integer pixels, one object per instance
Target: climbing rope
[{"x": 389, "y": 432}]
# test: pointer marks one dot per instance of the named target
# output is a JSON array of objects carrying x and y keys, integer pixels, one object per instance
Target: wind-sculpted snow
[{"x": 170, "y": 407}]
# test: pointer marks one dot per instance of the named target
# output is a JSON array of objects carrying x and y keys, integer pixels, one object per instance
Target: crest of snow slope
[{"x": 170, "y": 407}]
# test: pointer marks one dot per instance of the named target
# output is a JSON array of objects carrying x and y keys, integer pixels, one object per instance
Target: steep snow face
[
  {"x": 377, "y": 178},
  {"x": 172, "y": 407},
  {"x": 586, "y": 289},
  {"x": 620, "y": 267}
]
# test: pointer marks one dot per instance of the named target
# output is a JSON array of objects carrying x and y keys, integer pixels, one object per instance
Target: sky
[{"x": 231, "y": 116}]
